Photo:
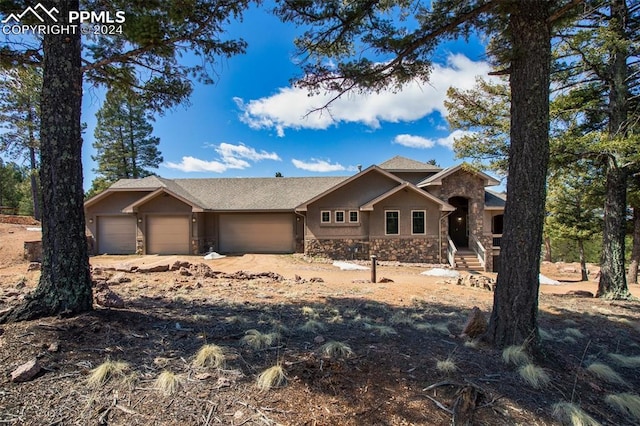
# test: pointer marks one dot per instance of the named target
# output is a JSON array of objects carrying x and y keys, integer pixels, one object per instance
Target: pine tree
[
  {"x": 20, "y": 117},
  {"x": 125, "y": 148}
]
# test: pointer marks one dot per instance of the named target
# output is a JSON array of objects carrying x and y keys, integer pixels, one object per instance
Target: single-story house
[{"x": 402, "y": 210}]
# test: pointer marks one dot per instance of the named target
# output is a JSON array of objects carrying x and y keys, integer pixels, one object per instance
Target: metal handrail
[
  {"x": 478, "y": 249},
  {"x": 451, "y": 252}
]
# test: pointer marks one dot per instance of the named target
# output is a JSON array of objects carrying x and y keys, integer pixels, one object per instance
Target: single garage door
[
  {"x": 116, "y": 234},
  {"x": 167, "y": 234},
  {"x": 257, "y": 233}
]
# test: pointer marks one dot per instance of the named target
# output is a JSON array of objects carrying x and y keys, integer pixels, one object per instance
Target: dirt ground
[{"x": 399, "y": 332}]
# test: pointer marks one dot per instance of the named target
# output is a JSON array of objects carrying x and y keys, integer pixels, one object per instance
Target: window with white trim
[
  {"x": 339, "y": 216},
  {"x": 392, "y": 222},
  {"x": 418, "y": 222},
  {"x": 353, "y": 216},
  {"x": 325, "y": 216}
]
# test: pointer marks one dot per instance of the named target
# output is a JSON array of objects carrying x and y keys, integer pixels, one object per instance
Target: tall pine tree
[{"x": 125, "y": 148}]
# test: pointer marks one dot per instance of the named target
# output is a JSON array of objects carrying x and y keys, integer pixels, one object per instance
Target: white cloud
[
  {"x": 293, "y": 108},
  {"x": 420, "y": 142},
  {"x": 231, "y": 157},
  {"x": 316, "y": 165}
]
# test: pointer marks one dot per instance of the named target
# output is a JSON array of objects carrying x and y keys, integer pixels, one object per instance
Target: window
[
  {"x": 418, "y": 222},
  {"x": 340, "y": 216},
  {"x": 392, "y": 222},
  {"x": 353, "y": 216},
  {"x": 325, "y": 216}
]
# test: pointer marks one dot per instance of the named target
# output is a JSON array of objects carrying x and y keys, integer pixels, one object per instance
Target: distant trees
[
  {"x": 125, "y": 147},
  {"x": 20, "y": 118}
]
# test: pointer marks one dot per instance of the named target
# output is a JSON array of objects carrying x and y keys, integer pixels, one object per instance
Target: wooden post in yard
[{"x": 373, "y": 267}]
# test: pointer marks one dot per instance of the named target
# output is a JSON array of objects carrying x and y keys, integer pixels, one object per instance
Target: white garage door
[
  {"x": 116, "y": 234},
  {"x": 257, "y": 233},
  {"x": 167, "y": 234}
]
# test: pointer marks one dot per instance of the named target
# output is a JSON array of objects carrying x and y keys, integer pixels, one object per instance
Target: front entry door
[{"x": 458, "y": 228}]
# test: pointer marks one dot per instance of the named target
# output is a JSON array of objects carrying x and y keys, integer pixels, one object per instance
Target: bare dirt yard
[{"x": 399, "y": 357}]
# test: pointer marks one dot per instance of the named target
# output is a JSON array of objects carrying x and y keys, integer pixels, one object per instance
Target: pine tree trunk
[
  {"x": 635, "y": 250},
  {"x": 65, "y": 282},
  {"x": 35, "y": 195},
  {"x": 515, "y": 304},
  {"x": 547, "y": 250},
  {"x": 613, "y": 282},
  {"x": 583, "y": 262}
]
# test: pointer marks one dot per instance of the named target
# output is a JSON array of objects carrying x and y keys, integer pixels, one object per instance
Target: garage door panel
[
  {"x": 167, "y": 234},
  {"x": 257, "y": 233},
  {"x": 116, "y": 234}
]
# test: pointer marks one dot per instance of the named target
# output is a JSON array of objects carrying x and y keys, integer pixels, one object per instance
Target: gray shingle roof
[
  {"x": 494, "y": 199},
  {"x": 239, "y": 193},
  {"x": 402, "y": 163}
]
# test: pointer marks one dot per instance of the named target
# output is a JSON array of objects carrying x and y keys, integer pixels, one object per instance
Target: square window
[
  {"x": 353, "y": 216},
  {"x": 340, "y": 216},
  {"x": 325, "y": 216},
  {"x": 392, "y": 222},
  {"x": 418, "y": 222}
]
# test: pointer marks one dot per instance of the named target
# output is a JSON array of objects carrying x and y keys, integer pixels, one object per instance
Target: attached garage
[
  {"x": 167, "y": 234},
  {"x": 257, "y": 233},
  {"x": 116, "y": 234}
]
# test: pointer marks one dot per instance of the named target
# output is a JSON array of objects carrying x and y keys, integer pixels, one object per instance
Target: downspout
[{"x": 446, "y": 214}]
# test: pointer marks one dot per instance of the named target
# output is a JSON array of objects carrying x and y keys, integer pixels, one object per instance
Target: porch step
[{"x": 467, "y": 260}]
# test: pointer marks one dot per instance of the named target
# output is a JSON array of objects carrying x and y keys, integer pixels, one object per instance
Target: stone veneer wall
[
  {"x": 415, "y": 250},
  {"x": 422, "y": 250},
  {"x": 337, "y": 248}
]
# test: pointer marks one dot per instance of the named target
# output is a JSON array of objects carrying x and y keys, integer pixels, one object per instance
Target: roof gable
[
  {"x": 444, "y": 206},
  {"x": 134, "y": 206},
  {"x": 372, "y": 169},
  {"x": 438, "y": 177}
]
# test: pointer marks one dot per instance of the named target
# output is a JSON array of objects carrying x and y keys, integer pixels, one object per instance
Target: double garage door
[{"x": 257, "y": 233}]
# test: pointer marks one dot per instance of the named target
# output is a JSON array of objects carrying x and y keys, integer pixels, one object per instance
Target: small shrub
[
  {"x": 625, "y": 403},
  {"x": 381, "y": 330},
  {"x": 270, "y": 378},
  {"x": 335, "y": 349},
  {"x": 572, "y": 415},
  {"x": 168, "y": 383},
  {"x": 535, "y": 376},
  {"x": 106, "y": 371},
  {"x": 516, "y": 355},
  {"x": 210, "y": 356},
  {"x": 308, "y": 311},
  {"x": 606, "y": 373},
  {"x": 401, "y": 318}
]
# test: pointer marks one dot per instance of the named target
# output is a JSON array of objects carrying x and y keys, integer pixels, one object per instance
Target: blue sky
[{"x": 252, "y": 122}]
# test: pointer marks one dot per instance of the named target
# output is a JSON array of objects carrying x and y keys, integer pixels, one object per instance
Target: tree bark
[
  {"x": 515, "y": 305},
  {"x": 65, "y": 281},
  {"x": 547, "y": 250},
  {"x": 632, "y": 277},
  {"x": 613, "y": 282},
  {"x": 583, "y": 263}
]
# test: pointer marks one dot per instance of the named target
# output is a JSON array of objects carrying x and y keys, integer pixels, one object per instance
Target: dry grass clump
[
  {"x": 440, "y": 327},
  {"x": 516, "y": 355},
  {"x": 401, "y": 318},
  {"x": 271, "y": 377},
  {"x": 574, "y": 332},
  {"x": 106, "y": 371},
  {"x": 312, "y": 326},
  {"x": 382, "y": 330},
  {"x": 210, "y": 356},
  {"x": 472, "y": 344},
  {"x": 625, "y": 403},
  {"x": 626, "y": 361},
  {"x": 535, "y": 376},
  {"x": 168, "y": 383},
  {"x": 257, "y": 340},
  {"x": 334, "y": 349},
  {"x": 447, "y": 366},
  {"x": 606, "y": 373},
  {"x": 571, "y": 414},
  {"x": 544, "y": 334},
  {"x": 308, "y": 311}
]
